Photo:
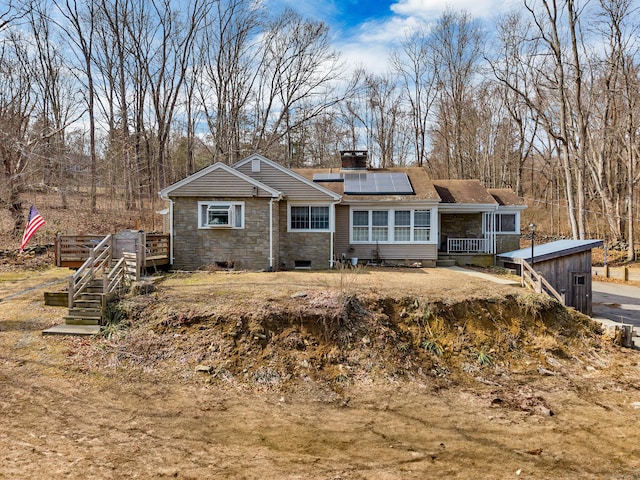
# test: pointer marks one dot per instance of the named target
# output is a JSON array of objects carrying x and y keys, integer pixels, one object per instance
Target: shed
[{"x": 565, "y": 264}]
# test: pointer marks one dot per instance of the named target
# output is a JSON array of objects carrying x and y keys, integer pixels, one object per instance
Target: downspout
[
  {"x": 271, "y": 234},
  {"x": 167, "y": 199},
  {"x": 494, "y": 234},
  {"x": 332, "y": 233},
  {"x": 271, "y": 200}
]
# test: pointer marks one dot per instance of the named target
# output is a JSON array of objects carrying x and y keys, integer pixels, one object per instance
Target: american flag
[{"x": 34, "y": 222}]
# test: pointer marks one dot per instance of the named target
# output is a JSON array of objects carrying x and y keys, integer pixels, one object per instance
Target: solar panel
[
  {"x": 327, "y": 177},
  {"x": 379, "y": 183}
]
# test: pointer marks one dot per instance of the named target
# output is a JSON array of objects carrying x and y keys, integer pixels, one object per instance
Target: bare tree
[
  {"x": 166, "y": 56},
  {"x": 511, "y": 69},
  {"x": 615, "y": 102},
  {"x": 19, "y": 143},
  {"x": 57, "y": 92},
  {"x": 456, "y": 43},
  {"x": 230, "y": 60},
  {"x": 413, "y": 63},
  {"x": 299, "y": 67},
  {"x": 80, "y": 30}
]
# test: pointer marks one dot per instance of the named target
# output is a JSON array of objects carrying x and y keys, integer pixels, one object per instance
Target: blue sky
[{"x": 365, "y": 31}]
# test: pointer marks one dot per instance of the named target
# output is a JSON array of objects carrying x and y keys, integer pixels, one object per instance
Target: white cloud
[
  {"x": 431, "y": 9},
  {"x": 374, "y": 58},
  {"x": 390, "y": 30}
]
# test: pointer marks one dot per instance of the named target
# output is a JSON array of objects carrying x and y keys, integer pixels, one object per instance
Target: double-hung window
[
  {"x": 391, "y": 226},
  {"x": 309, "y": 218},
  {"x": 220, "y": 215},
  {"x": 402, "y": 225},
  {"x": 421, "y": 225}
]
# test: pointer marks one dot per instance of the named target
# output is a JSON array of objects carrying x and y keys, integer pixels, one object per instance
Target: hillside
[{"x": 356, "y": 374}]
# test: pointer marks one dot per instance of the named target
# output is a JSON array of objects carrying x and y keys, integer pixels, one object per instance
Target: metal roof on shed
[{"x": 548, "y": 251}]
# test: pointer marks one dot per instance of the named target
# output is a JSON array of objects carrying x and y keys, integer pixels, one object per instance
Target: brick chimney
[{"x": 354, "y": 159}]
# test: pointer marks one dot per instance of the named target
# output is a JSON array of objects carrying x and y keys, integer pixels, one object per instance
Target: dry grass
[{"x": 433, "y": 283}]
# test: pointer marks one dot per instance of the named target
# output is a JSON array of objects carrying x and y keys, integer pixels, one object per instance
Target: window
[
  {"x": 504, "y": 223},
  {"x": 220, "y": 215},
  {"x": 380, "y": 226},
  {"x": 360, "y": 232},
  {"x": 390, "y": 226},
  {"x": 309, "y": 217},
  {"x": 422, "y": 225},
  {"x": 402, "y": 225}
]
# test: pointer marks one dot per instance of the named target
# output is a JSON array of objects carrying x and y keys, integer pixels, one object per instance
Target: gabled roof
[
  {"x": 290, "y": 172},
  {"x": 551, "y": 250},
  {"x": 212, "y": 168}
]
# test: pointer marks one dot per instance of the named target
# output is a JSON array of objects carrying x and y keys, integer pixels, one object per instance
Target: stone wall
[
  {"x": 313, "y": 247},
  {"x": 459, "y": 225},
  {"x": 507, "y": 242},
  {"x": 246, "y": 248}
]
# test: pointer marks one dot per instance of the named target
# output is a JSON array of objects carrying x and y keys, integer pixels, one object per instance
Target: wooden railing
[
  {"x": 468, "y": 245},
  {"x": 115, "y": 279},
  {"x": 99, "y": 259},
  {"x": 535, "y": 281},
  {"x": 157, "y": 245},
  {"x": 73, "y": 250}
]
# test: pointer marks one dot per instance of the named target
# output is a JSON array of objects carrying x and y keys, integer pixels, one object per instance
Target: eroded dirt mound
[{"x": 335, "y": 340}]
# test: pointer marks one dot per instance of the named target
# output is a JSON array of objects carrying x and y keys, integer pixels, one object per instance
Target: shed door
[{"x": 581, "y": 292}]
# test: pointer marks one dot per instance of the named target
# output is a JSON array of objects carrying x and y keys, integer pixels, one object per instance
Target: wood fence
[{"x": 620, "y": 273}]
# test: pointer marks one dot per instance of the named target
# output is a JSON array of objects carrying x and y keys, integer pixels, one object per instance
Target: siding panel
[
  {"x": 218, "y": 183},
  {"x": 293, "y": 188}
]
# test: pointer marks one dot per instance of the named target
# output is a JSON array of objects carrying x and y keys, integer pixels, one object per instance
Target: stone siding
[
  {"x": 247, "y": 248},
  {"x": 459, "y": 225},
  {"x": 507, "y": 242},
  {"x": 314, "y": 247}
]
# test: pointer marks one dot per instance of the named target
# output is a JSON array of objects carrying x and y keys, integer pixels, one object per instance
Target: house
[
  {"x": 564, "y": 264},
  {"x": 259, "y": 215}
]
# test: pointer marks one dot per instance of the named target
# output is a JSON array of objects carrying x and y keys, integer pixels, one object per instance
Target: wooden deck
[{"x": 73, "y": 250}]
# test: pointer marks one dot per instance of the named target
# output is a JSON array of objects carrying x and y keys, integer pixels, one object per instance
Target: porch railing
[{"x": 468, "y": 245}]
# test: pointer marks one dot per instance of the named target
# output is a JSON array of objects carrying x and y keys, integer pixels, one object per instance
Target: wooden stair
[
  {"x": 85, "y": 317},
  {"x": 86, "y": 309}
]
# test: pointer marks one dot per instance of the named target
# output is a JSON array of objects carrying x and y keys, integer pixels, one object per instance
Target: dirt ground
[{"x": 421, "y": 373}]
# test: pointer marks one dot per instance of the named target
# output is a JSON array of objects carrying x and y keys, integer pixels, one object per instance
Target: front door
[{"x": 581, "y": 292}]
